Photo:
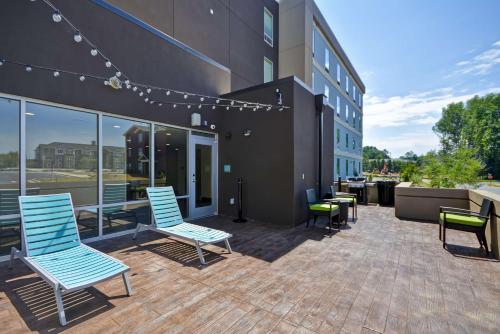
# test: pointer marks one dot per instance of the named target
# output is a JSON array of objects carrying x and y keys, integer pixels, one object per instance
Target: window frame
[
  {"x": 270, "y": 39},
  {"x": 327, "y": 60},
  {"x": 268, "y": 61}
]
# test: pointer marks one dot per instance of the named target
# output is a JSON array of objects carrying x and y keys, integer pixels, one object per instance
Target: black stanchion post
[{"x": 240, "y": 218}]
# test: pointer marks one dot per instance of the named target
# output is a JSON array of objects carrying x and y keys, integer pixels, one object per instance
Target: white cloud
[
  {"x": 403, "y": 123},
  {"x": 480, "y": 64},
  {"x": 421, "y": 108}
]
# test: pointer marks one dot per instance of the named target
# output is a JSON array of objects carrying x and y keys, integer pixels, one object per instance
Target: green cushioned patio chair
[
  {"x": 168, "y": 220},
  {"x": 52, "y": 248},
  {"x": 325, "y": 208},
  {"x": 352, "y": 198},
  {"x": 467, "y": 221}
]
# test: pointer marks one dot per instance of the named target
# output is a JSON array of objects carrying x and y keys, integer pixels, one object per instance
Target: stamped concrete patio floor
[{"x": 379, "y": 274}]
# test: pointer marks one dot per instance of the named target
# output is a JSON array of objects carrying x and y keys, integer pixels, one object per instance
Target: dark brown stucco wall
[
  {"x": 233, "y": 35},
  {"x": 29, "y": 35}
]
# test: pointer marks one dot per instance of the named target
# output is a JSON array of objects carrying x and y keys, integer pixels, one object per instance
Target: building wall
[
  {"x": 302, "y": 53},
  {"x": 230, "y": 32}
]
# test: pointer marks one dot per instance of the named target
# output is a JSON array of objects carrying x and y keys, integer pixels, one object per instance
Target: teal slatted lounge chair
[
  {"x": 52, "y": 248},
  {"x": 168, "y": 220},
  {"x": 466, "y": 221}
]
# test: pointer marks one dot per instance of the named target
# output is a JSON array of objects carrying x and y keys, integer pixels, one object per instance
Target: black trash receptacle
[{"x": 385, "y": 191}]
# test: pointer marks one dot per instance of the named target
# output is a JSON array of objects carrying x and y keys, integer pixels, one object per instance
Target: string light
[
  {"x": 28, "y": 68},
  {"x": 202, "y": 99},
  {"x": 1, "y": 62},
  {"x": 175, "y": 105},
  {"x": 185, "y": 96},
  {"x": 77, "y": 37},
  {"x": 141, "y": 93},
  {"x": 134, "y": 89},
  {"x": 148, "y": 90},
  {"x": 108, "y": 64},
  {"x": 199, "y": 107},
  {"x": 189, "y": 106},
  {"x": 119, "y": 74},
  {"x": 168, "y": 93},
  {"x": 213, "y": 107},
  {"x": 232, "y": 103},
  {"x": 127, "y": 82},
  {"x": 56, "y": 74},
  {"x": 56, "y": 17},
  {"x": 93, "y": 52},
  {"x": 227, "y": 108},
  {"x": 82, "y": 78},
  {"x": 217, "y": 101},
  {"x": 146, "y": 100}
]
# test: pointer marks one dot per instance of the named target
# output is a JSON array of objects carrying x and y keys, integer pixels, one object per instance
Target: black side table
[{"x": 343, "y": 209}]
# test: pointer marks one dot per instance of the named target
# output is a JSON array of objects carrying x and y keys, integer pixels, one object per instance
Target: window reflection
[
  {"x": 125, "y": 159},
  {"x": 88, "y": 222},
  {"x": 171, "y": 159},
  {"x": 61, "y": 152},
  {"x": 9, "y": 174},
  {"x": 118, "y": 218}
]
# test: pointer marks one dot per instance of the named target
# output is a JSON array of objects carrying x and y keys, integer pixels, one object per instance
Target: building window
[
  {"x": 268, "y": 70},
  {"x": 338, "y": 106},
  {"x": 354, "y": 93},
  {"x": 338, "y": 136},
  {"x": 327, "y": 60},
  {"x": 9, "y": 174},
  {"x": 346, "y": 112},
  {"x": 347, "y": 140},
  {"x": 327, "y": 93},
  {"x": 354, "y": 118},
  {"x": 347, "y": 84},
  {"x": 346, "y": 167},
  {"x": 359, "y": 99},
  {"x": 268, "y": 27},
  {"x": 354, "y": 144},
  {"x": 338, "y": 166},
  {"x": 338, "y": 73},
  {"x": 313, "y": 42}
]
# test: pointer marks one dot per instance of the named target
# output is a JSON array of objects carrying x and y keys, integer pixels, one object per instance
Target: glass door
[{"x": 202, "y": 168}]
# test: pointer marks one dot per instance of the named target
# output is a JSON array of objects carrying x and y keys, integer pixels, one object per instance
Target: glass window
[
  {"x": 61, "y": 152},
  {"x": 9, "y": 175},
  {"x": 171, "y": 159},
  {"x": 354, "y": 93},
  {"x": 347, "y": 140},
  {"x": 327, "y": 93},
  {"x": 268, "y": 26},
  {"x": 354, "y": 118},
  {"x": 327, "y": 59},
  {"x": 347, "y": 84},
  {"x": 123, "y": 217},
  {"x": 338, "y": 105},
  {"x": 338, "y": 73},
  {"x": 346, "y": 167},
  {"x": 268, "y": 70},
  {"x": 338, "y": 136},
  {"x": 347, "y": 112},
  {"x": 125, "y": 155},
  {"x": 313, "y": 41},
  {"x": 353, "y": 144},
  {"x": 359, "y": 167},
  {"x": 338, "y": 166}
]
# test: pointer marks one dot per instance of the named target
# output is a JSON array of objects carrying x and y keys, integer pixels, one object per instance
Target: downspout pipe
[{"x": 320, "y": 102}]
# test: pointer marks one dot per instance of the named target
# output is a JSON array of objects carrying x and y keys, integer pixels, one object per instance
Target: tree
[
  {"x": 449, "y": 128},
  {"x": 371, "y": 152},
  {"x": 475, "y": 125},
  {"x": 410, "y": 155},
  {"x": 447, "y": 170}
]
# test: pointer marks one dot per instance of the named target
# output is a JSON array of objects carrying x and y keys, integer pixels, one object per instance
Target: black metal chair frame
[
  {"x": 353, "y": 204},
  {"x": 312, "y": 199},
  {"x": 480, "y": 231}
]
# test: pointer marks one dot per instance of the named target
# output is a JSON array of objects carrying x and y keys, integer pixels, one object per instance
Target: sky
[{"x": 415, "y": 57}]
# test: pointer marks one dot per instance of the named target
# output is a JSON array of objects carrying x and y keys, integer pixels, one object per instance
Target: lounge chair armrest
[
  {"x": 450, "y": 209},
  {"x": 466, "y": 214}
]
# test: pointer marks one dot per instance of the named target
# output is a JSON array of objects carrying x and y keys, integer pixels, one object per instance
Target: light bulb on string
[
  {"x": 56, "y": 74},
  {"x": 82, "y": 78},
  {"x": 56, "y": 17},
  {"x": 241, "y": 109},
  {"x": 134, "y": 89},
  {"x": 106, "y": 83},
  {"x": 1, "y": 62},
  {"x": 254, "y": 109},
  {"x": 151, "y": 102},
  {"x": 185, "y": 96},
  {"x": 146, "y": 100},
  {"x": 118, "y": 74},
  {"x": 245, "y": 105},
  {"x": 189, "y": 106},
  {"x": 28, "y": 68},
  {"x": 93, "y": 52},
  {"x": 199, "y": 107},
  {"x": 77, "y": 37},
  {"x": 168, "y": 93},
  {"x": 174, "y": 106},
  {"x": 227, "y": 108},
  {"x": 213, "y": 107},
  {"x": 202, "y": 99},
  {"x": 127, "y": 82},
  {"x": 141, "y": 93},
  {"x": 148, "y": 90},
  {"x": 217, "y": 101},
  {"x": 160, "y": 104},
  {"x": 128, "y": 86},
  {"x": 232, "y": 103},
  {"x": 108, "y": 64}
]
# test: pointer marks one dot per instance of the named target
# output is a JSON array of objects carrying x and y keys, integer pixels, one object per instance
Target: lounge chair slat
[
  {"x": 44, "y": 198},
  {"x": 29, "y": 226},
  {"x": 48, "y": 217},
  {"x": 52, "y": 235}
]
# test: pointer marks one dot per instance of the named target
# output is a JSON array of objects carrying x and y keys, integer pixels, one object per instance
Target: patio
[{"x": 379, "y": 274}]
